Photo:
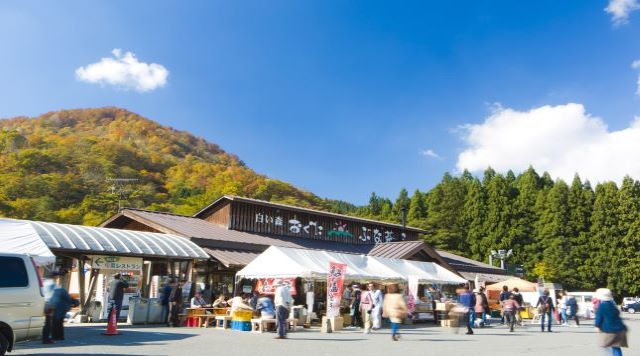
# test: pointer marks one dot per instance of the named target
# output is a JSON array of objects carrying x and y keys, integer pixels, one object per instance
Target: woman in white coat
[{"x": 376, "y": 312}]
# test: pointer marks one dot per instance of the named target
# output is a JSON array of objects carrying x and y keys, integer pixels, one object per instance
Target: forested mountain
[
  {"x": 58, "y": 166},
  {"x": 569, "y": 233}
]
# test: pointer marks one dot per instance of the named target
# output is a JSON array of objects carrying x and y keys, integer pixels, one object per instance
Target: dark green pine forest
[{"x": 59, "y": 167}]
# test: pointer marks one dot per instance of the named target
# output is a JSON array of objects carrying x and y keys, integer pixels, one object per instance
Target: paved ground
[{"x": 419, "y": 339}]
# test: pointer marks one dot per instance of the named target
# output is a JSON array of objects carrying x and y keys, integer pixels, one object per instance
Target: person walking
[
  {"x": 468, "y": 302},
  {"x": 562, "y": 308},
  {"x": 480, "y": 308},
  {"x": 504, "y": 295},
  {"x": 545, "y": 308},
  {"x": 520, "y": 300},
  {"x": 394, "y": 308},
  {"x": 175, "y": 304},
  {"x": 356, "y": 293},
  {"x": 613, "y": 332},
  {"x": 366, "y": 307},
  {"x": 48, "y": 287},
  {"x": 164, "y": 301},
  {"x": 509, "y": 308},
  {"x": 376, "y": 314},
  {"x": 282, "y": 301},
  {"x": 61, "y": 302},
  {"x": 116, "y": 294},
  {"x": 571, "y": 309}
]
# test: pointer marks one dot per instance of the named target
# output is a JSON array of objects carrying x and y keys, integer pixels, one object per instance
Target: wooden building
[{"x": 235, "y": 230}]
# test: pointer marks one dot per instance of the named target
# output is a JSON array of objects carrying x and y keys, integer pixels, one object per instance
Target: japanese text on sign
[{"x": 335, "y": 284}]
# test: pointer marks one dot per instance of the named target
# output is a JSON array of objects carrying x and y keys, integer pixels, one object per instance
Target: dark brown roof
[
  {"x": 398, "y": 249},
  {"x": 232, "y": 258},
  {"x": 486, "y": 277},
  {"x": 463, "y": 264},
  {"x": 299, "y": 209}
]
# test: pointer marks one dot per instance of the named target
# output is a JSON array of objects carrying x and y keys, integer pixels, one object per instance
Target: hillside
[{"x": 57, "y": 166}]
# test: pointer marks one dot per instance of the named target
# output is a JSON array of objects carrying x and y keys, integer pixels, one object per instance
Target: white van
[
  {"x": 21, "y": 300},
  {"x": 585, "y": 303}
]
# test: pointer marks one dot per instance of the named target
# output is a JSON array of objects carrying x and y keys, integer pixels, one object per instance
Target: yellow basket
[{"x": 241, "y": 315}]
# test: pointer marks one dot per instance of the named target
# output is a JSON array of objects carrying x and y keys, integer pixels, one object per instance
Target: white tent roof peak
[{"x": 313, "y": 264}]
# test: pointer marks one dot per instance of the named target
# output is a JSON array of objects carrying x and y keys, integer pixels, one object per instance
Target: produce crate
[{"x": 242, "y": 315}]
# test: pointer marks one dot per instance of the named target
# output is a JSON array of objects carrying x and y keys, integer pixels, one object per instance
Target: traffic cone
[{"x": 112, "y": 325}]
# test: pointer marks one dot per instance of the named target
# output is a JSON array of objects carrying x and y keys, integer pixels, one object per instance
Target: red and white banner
[
  {"x": 412, "y": 294},
  {"x": 268, "y": 285},
  {"x": 335, "y": 285}
]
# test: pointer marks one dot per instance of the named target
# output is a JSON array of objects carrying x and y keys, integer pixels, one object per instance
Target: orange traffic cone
[{"x": 112, "y": 325}]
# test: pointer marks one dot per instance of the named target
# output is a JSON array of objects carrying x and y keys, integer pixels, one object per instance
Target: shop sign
[
  {"x": 118, "y": 263},
  {"x": 335, "y": 285},
  {"x": 268, "y": 285}
]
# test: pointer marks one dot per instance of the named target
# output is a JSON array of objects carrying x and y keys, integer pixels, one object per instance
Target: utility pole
[{"x": 119, "y": 187}]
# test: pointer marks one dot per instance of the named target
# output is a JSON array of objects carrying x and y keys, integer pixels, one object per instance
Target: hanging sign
[
  {"x": 118, "y": 263},
  {"x": 335, "y": 284},
  {"x": 268, "y": 285}
]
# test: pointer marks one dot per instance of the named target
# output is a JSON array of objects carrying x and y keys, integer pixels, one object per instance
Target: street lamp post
[{"x": 500, "y": 254}]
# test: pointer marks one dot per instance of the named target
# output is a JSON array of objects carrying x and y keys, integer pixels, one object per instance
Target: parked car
[
  {"x": 631, "y": 308},
  {"x": 630, "y": 300},
  {"x": 21, "y": 300}
]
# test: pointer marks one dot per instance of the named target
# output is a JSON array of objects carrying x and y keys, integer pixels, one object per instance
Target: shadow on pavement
[
  {"x": 88, "y": 336},
  {"x": 316, "y": 339}
]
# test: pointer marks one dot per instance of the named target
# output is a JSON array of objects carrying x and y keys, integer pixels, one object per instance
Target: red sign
[
  {"x": 335, "y": 284},
  {"x": 268, "y": 285}
]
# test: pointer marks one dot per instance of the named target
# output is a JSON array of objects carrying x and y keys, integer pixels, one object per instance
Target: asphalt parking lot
[{"x": 416, "y": 339}]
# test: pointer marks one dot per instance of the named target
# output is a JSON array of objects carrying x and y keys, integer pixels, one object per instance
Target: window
[
  {"x": 587, "y": 299},
  {"x": 13, "y": 273}
]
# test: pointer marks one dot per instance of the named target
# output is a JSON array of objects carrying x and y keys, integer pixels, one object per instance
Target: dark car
[{"x": 631, "y": 308}]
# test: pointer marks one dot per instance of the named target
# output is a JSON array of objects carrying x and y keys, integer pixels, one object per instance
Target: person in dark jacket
[
  {"x": 116, "y": 294},
  {"x": 613, "y": 333},
  {"x": 518, "y": 298},
  {"x": 175, "y": 303},
  {"x": 504, "y": 295},
  {"x": 468, "y": 301},
  {"x": 545, "y": 308},
  {"x": 164, "y": 301},
  {"x": 572, "y": 309},
  {"x": 62, "y": 303}
]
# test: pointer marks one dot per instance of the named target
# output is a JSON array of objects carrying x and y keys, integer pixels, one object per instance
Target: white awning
[
  {"x": 19, "y": 237},
  {"x": 105, "y": 241},
  {"x": 314, "y": 264}
]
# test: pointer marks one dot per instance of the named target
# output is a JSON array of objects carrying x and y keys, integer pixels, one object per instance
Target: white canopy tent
[
  {"x": 20, "y": 237},
  {"x": 282, "y": 262}
]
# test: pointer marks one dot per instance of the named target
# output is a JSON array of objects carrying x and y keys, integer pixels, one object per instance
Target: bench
[
  {"x": 292, "y": 323},
  {"x": 259, "y": 325},
  {"x": 222, "y": 321}
]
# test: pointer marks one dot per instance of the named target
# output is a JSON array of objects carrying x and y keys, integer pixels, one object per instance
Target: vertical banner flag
[
  {"x": 413, "y": 294},
  {"x": 335, "y": 283}
]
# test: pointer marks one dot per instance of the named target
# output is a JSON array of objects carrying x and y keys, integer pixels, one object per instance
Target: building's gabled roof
[
  {"x": 229, "y": 198},
  {"x": 463, "y": 264}
]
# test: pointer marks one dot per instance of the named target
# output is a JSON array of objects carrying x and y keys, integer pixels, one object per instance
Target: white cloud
[
  {"x": 430, "y": 153},
  {"x": 636, "y": 65},
  {"x": 620, "y": 10},
  {"x": 124, "y": 71},
  {"x": 562, "y": 140}
]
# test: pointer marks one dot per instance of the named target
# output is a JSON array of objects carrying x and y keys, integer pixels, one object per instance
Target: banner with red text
[
  {"x": 335, "y": 284},
  {"x": 412, "y": 294},
  {"x": 268, "y": 285}
]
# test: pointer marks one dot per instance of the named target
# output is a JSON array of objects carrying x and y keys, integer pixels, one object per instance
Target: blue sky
[{"x": 343, "y": 98}]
